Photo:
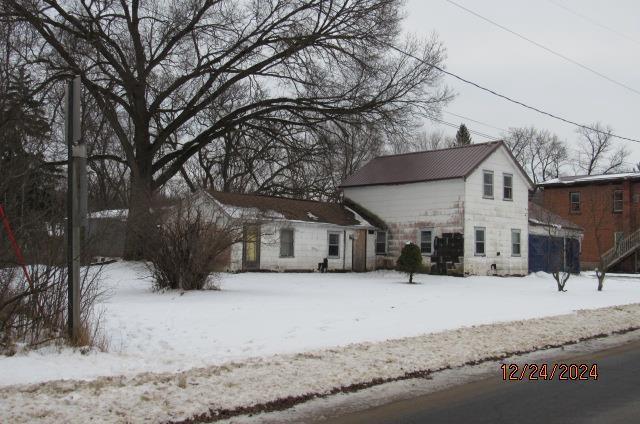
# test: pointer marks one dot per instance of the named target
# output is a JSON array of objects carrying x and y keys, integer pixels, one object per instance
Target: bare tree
[
  {"x": 421, "y": 141},
  {"x": 596, "y": 211},
  {"x": 162, "y": 66},
  {"x": 558, "y": 265},
  {"x": 541, "y": 153},
  {"x": 597, "y": 151}
]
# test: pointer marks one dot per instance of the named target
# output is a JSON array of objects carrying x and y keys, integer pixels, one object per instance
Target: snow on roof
[
  {"x": 541, "y": 216},
  {"x": 575, "y": 179},
  {"x": 249, "y": 205}
]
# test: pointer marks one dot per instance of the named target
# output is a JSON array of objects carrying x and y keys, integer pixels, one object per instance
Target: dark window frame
[
  {"x": 292, "y": 231},
  {"x": 378, "y": 243},
  {"x": 620, "y": 201},
  {"x": 329, "y": 245},
  {"x": 504, "y": 187},
  {"x": 483, "y": 241},
  {"x": 571, "y": 202}
]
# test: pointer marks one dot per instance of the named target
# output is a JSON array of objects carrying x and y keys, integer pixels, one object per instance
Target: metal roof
[
  {"x": 432, "y": 165},
  {"x": 292, "y": 209}
]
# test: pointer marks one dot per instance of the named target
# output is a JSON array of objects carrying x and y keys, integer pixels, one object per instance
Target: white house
[
  {"x": 475, "y": 194},
  {"x": 282, "y": 234}
]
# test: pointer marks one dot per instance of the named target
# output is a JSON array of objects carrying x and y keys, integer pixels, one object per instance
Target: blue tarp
[{"x": 545, "y": 254}]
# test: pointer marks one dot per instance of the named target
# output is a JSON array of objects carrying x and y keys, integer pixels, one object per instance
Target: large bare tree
[
  {"x": 541, "y": 153},
  {"x": 597, "y": 151},
  {"x": 162, "y": 66}
]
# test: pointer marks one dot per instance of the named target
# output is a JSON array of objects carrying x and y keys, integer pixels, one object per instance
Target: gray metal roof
[{"x": 444, "y": 164}]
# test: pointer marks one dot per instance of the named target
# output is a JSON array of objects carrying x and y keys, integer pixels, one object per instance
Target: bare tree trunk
[{"x": 139, "y": 219}]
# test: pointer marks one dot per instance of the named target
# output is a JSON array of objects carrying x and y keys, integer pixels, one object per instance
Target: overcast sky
[{"x": 490, "y": 56}]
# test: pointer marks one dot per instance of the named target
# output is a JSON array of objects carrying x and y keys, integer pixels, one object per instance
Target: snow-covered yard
[{"x": 260, "y": 314}]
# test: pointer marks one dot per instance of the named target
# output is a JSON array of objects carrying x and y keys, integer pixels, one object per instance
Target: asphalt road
[{"x": 613, "y": 398}]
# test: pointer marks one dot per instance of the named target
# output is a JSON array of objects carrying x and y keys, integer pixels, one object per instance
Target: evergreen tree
[
  {"x": 463, "y": 138},
  {"x": 26, "y": 187},
  {"x": 410, "y": 260}
]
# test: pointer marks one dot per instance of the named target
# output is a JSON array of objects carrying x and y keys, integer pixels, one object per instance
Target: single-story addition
[
  {"x": 554, "y": 242},
  {"x": 466, "y": 207},
  {"x": 282, "y": 234}
]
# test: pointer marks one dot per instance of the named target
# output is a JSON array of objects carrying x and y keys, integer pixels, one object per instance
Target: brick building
[{"x": 609, "y": 204}]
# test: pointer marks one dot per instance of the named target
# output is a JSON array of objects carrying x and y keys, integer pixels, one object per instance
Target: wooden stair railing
[{"x": 623, "y": 248}]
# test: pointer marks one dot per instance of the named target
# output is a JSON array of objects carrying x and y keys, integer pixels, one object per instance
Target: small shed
[{"x": 554, "y": 242}]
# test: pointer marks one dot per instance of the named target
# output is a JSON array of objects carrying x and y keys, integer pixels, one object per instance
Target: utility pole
[{"x": 76, "y": 201}]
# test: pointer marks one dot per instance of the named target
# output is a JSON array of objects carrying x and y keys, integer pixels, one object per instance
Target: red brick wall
[{"x": 597, "y": 206}]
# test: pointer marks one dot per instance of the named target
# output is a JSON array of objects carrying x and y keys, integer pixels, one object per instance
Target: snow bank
[{"x": 165, "y": 397}]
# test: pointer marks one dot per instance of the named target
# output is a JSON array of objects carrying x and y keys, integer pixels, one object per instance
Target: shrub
[
  {"x": 34, "y": 313},
  {"x": 410, "y": 260},
  {"x": 185, "y": 247}
]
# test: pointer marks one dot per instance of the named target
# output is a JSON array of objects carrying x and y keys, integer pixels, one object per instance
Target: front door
[
  {"x": 360, "y": 251},
  {"x": 251, "y": 248}
]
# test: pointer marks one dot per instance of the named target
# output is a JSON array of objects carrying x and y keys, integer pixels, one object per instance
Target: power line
[
  {"x": 452, "y": 125},
  {"x": 509, "y": 99},
  {"x": 568, "y": 59},
  {"x": 594, "y": 22},
  {"x": 473, "y": 120}
]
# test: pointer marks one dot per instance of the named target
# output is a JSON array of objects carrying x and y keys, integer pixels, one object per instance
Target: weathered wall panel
[{"x": 498, "y": 216}]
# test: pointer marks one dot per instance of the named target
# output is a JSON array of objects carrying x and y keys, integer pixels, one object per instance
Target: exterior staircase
[{"x": 620, "y": 251}]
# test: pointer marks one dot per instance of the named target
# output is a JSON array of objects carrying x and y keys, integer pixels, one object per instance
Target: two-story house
[
  {"x": 475, "y": 196},
  {"x": 607, "y": 207}
]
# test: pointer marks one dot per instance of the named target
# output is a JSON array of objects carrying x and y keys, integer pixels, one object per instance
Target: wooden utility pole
[{"x": 76, "y": 201}]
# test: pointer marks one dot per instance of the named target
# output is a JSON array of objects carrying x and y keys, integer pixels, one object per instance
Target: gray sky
[{"x": 492, "y": 57}]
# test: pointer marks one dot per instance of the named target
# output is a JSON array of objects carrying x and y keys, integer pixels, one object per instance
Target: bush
[
  {"x": 410, "y": 260},
  {"x": 185, "y": 248},
  {"x": 34, "y": 313}
]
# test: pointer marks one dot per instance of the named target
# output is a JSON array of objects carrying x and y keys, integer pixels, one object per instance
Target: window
[
  {"x": 487, "y": 182},
  {"x": 507, "y": 185},
  {"x": 334, "y": 245},
  {"x": 426, "y": 242},
  {"x": 381, "y": 243},
  {"x": 574, "y": 199},
  {"x": 286, "y": 243},
  {"x": 480, "y": 240},
  {"x": 515, "y": 242},
  {"x": 617, "y": 200}
]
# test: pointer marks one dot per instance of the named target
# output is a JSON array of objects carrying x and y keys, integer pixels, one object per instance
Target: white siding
[
  {"x": 408, "y": 208},
  {"x": 310, "y": 247},
  {"x": 498, "y": 216}
]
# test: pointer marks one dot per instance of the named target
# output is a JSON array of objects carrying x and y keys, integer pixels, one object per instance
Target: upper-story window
[
  {"x": 574, "y": 201},
  {"x": 381, "y": 243},
  {"x": 617, "y": 200},
  {"x": 507, "y": 186},
  {"x": 487, "y": 184}
]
